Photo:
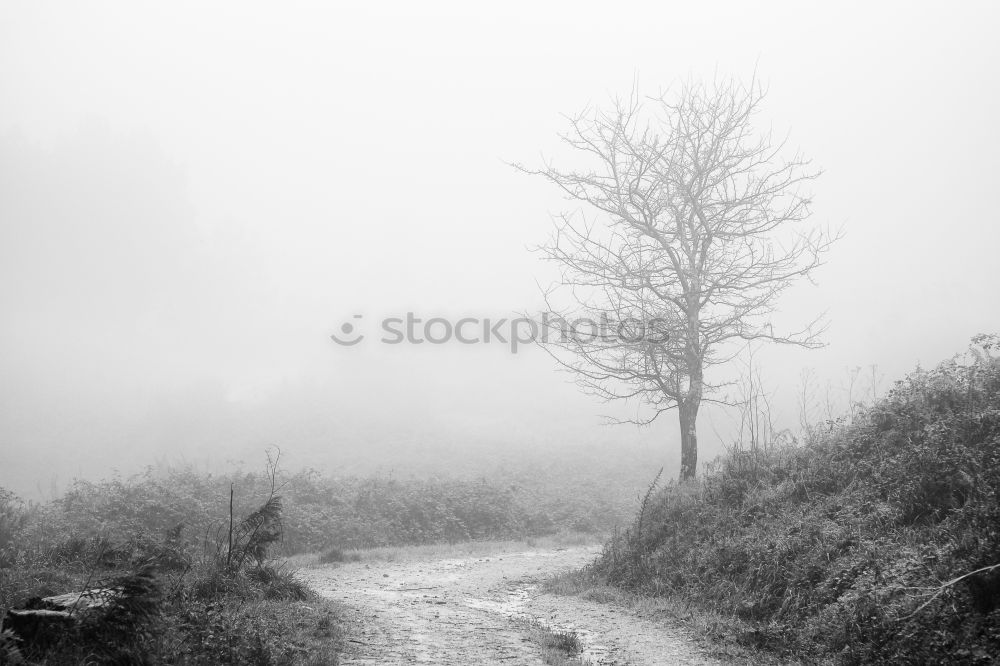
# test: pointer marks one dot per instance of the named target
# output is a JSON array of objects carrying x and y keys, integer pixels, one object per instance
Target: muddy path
[{"x": 475, "y": 610}]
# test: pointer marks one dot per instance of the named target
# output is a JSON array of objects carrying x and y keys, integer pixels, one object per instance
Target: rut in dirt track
[{"x": 476, "y": 610}]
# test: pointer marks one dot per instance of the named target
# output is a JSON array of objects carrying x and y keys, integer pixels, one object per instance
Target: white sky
[{"x": 194, "y": 195}]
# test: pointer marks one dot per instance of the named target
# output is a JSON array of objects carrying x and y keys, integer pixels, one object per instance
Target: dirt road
[{"x": 475, "y": 610}]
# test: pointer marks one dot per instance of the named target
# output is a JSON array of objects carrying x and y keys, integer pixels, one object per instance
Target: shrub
[{"x": 277, "y": 581}]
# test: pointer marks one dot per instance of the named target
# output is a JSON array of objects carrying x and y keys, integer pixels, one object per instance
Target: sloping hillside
[{"x": 874, "y": 540}]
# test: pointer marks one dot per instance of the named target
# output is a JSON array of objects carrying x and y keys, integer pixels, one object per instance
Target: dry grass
[
  {"x": 558, "y": 647},
  {"x": 709, "y": 629}
]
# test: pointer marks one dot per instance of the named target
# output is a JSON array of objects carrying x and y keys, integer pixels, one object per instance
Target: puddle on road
[
  {"x": 512, "y": 607},
  {"x": 508, "y": 607}
]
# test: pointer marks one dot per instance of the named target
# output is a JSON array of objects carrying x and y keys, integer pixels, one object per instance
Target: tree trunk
[
  {"x": 688, "y": 414},
  {"x": 687, "y": 407}
]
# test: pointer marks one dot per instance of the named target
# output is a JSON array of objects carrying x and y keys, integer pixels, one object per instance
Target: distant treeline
[{"x": 321, "y": 512}]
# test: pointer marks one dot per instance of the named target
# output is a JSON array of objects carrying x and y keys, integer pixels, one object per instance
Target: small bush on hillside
[
  {"x": 13, "y": 516},
  {"x": 277, "y": 581}
]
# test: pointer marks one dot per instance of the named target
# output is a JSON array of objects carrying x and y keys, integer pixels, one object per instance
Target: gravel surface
[{"x": 476, "y": 610}]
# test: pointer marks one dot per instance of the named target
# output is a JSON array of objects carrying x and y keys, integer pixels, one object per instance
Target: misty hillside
[{"x": 876, "y": 540}]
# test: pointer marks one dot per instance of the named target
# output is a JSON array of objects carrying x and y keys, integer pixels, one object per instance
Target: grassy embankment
[{"x": 875, "y": 540}]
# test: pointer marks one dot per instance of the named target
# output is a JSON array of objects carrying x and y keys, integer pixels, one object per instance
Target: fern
[
  {"x": 10, "y": 651},
  {"x": 257, "y": 532}
]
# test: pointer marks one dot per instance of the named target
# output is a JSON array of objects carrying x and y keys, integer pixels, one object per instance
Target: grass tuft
[{"x": 558, "y": 647}]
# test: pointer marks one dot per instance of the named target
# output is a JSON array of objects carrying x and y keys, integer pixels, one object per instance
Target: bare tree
[{"x": 701, "y": 228}]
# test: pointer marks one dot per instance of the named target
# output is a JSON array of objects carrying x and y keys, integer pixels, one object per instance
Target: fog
[{"x": 194, "y": 197}]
